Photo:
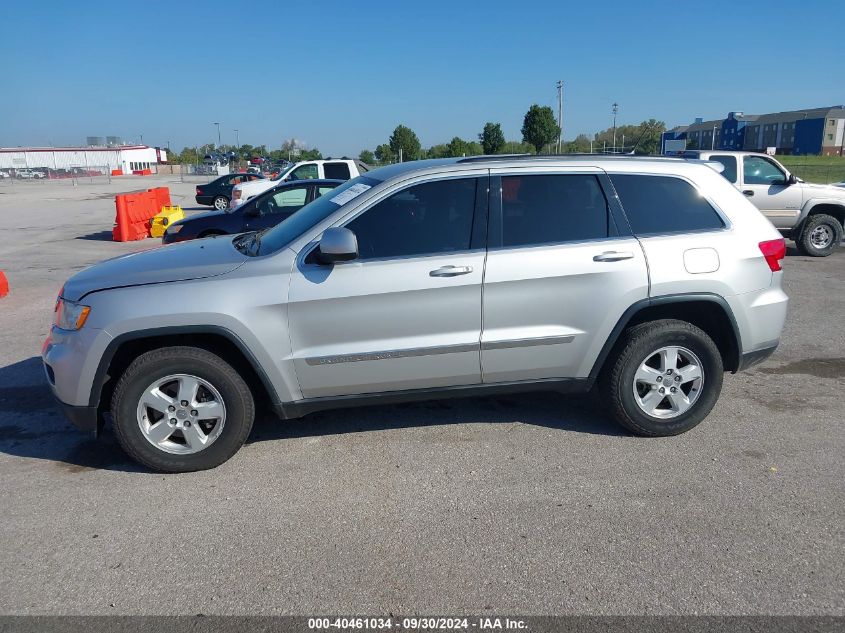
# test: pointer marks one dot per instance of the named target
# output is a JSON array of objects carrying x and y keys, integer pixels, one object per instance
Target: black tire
[
  {"x": 222, "y": 201},
  {"x": 159, "y": 363},
  {"x": 808, "y": 242},
  {"x": 635, "y": 347}
]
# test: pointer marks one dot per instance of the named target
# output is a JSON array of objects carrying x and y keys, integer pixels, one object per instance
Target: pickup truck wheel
[
  {"x": 221, "y": 203},
  {"x": 181, "y": 409},
  {"x": 821, "y": 235},
  {"x": 664, "y": 378}
]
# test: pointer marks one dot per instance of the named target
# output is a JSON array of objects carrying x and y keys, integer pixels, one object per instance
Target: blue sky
[{"x": 342, "y": 75}]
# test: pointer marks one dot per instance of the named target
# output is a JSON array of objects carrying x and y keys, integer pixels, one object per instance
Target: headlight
[
  {"x": 70, "y": 315},
  {"x": 174, "y": 228}
]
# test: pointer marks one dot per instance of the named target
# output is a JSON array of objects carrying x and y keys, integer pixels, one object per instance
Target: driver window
[
  {"x": 759, "y": 171},
  {"x": 306, "y": 172},
  {"x": 434, "y": 217}
]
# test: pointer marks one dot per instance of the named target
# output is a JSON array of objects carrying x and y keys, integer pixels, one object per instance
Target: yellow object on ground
[{"x": 164, "y": 218}]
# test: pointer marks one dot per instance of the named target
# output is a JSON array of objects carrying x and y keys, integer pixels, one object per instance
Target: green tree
[
  {"x": 404, "y": 139},
  {"x": 516, "y": 147},
  {"x": 366, "y": 156},
  {"x": 492, "y": 138},
  {"x": 539, "y": 127},
  {"x": 457, "y": 147},
  {"x": 384, "y": 153},
  {"x": 440, "y": 150},
  {"x": 581, "y": 144}
]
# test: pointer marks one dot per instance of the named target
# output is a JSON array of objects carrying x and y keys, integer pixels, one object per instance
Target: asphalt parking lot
[{"x": 529, "y": 504}]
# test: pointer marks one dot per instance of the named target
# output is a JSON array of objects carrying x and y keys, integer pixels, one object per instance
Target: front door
[
  {"x": 765, "y": 185},
  {"x": 407, "y": 313},
  {"x": 560, "y": 272}
]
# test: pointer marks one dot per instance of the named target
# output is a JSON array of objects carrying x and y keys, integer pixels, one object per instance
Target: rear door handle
[
  {"x": 613, "y": 256},
  {"x": 451, "y": 271},
  {"x": 748, "y": 193}
]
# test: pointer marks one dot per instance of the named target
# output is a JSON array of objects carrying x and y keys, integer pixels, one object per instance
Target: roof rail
[{"x": 508, "y": 157}]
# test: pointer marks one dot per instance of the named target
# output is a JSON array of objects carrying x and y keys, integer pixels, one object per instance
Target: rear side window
[
  {"x": 663, "y": 204},
  {"x": 546, "y": 209},
  {"x": 730, "y": 166},
  {"x": 336, "y": 170}
]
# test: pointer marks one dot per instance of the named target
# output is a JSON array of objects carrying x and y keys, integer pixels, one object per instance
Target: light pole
[
  {"x": 713, "y": 139},
  {"x": 238, "y": 146},
  {"x": 560, "y": 117},
  {"x": 615, "y": 110},
  {"x": 218, "y": 134}
]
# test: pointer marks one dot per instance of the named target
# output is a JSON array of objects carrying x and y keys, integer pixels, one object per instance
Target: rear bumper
[
  {"x": 205, "y": 200},
  {"x": 749, "y": 359}
]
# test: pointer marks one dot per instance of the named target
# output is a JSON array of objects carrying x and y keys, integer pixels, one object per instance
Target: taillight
[
  {"x": 773, "y": 251},
  {"x": 199, "y": 191}
]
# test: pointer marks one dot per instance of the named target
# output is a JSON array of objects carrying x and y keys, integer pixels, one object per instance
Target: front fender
[{"x": 810, "y": 204}]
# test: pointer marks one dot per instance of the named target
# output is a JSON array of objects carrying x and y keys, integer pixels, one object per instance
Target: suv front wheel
[
  {"x": 180, "y": 409},
  {"x": 664, "y": 378}
]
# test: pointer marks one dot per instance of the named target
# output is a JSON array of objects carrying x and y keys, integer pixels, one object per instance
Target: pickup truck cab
[
  {"x": 809, "y": 214},
  {"x": 331, "y": 169}
]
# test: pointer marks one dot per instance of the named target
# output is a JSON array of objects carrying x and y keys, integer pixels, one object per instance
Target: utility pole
[
  {"x": 560, "y": 117},
  {"x": 623, "y": 143},
  {"x": 615, "y": 110},
  {"x": 713, "y": 139},
  {"x": 218, "y": 134}
]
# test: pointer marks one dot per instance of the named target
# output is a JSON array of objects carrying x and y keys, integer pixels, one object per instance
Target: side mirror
[
  {"x": 252, "y": 211},
  {"x": 792, "y": 180},
  {"x": 338, "y": 244}
]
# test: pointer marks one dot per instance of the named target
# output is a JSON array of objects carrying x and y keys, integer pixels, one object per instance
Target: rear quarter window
[{"x": 664, "y": 204}]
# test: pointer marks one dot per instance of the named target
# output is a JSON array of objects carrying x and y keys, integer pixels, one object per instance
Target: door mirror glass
[{"x": 338, "y": 244}]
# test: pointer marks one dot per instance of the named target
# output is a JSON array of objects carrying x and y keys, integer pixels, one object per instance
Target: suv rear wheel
[
  {"x": 180, "y": 409},
  {"x": 664, "y": 379},
  {"x": 821, "y": 235}
]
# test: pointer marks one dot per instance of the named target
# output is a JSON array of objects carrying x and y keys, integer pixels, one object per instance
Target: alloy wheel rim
[
  {"x": 220, "y": 203},
  {"x": 668, "y": 382},
  {"x": 821, "y": 236},
  {"x": 181, "y": 414}
]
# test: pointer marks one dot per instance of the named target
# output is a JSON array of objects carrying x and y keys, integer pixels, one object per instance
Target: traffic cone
[{"x": 4, "y": 284}]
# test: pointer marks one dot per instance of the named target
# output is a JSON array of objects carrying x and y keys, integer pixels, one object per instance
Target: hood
[
  {"x": 814, "y": 191},
  {"x": 197, "y": 259},
  {"x": 202, "y": 216}
]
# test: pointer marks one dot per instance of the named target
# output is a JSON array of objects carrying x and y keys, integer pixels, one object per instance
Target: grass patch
[{"x": 821, "y": 169}]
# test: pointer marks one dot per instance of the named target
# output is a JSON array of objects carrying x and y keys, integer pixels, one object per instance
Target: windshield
[{"x": 279, "y": 236}]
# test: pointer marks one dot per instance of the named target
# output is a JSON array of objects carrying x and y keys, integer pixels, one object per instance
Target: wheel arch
[
  {"x": 834, "y": 208},
  {"x": 710, "y": 312},
  {"x": 123, "y": 349}
]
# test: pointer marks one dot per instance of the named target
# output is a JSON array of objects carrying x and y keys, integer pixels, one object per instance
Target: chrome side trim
[
  {"x": 396, "y": 353},
  {"x": 528, "y": 342},
  {"x": 433, "y": 351}
]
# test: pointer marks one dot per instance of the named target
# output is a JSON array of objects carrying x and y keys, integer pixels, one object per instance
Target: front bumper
[
  {"x": 749, "y": 359},
  {"x": 86, "y": 419}
]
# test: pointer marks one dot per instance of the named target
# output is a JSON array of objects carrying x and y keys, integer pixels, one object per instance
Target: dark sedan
[
  {"x": 263, "y": 211},
  {"x": 218, "y": 192}
]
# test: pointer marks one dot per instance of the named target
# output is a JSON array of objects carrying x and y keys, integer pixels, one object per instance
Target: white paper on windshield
[{"x": 353, "y": 192}]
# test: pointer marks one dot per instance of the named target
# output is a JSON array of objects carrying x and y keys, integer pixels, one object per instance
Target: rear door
[
  {"x": 765, "y": 184},
  {"x": 561, "y": 269},
  {"x": 336, "y": 170}
]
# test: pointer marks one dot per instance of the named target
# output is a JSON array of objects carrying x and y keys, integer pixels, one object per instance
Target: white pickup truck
[
  {"x": 811, "y": 215},
  {"x": 341, "y": 169}
]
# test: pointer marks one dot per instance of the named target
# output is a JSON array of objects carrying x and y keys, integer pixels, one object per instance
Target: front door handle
[
  {"x": 451, "y": 271},
  {"x": 613, "y": 256},
  {"x": 748, "y": 193}
]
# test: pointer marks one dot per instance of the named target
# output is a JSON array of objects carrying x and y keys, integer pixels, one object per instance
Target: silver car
[{"x": 649, "y": 277}]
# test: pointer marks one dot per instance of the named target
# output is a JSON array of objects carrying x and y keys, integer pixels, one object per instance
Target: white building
[{"x": 129, "y": 158}]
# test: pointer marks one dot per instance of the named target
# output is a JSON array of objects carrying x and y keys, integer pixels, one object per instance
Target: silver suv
[
  {"x": 811, "y": 215},
  {"x": 649, "y": 277}
]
